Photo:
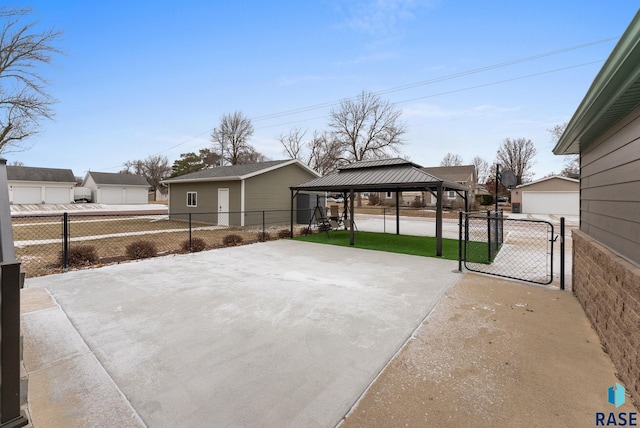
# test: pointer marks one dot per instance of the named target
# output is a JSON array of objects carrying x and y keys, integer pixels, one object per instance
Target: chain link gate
[{"x": 511, "y": 248}]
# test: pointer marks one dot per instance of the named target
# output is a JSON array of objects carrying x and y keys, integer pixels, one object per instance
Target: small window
[
  {"x": 192, "y": 199},
  {"x": 451, "y": 194},
  {"x": 389, "y": 195}
]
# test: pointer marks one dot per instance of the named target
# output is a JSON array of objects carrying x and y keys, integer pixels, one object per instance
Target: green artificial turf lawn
[{"x": 404, "y": 244}]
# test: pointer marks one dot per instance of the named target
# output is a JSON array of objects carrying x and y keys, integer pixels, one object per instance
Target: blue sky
[{"x": 143, "y": 78}]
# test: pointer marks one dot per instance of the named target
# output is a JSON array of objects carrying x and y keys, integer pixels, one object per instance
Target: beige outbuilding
[{"x": 550, "y": 195}]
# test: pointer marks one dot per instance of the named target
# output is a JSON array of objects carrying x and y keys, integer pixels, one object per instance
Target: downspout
[{"x": 242, "y": 206}]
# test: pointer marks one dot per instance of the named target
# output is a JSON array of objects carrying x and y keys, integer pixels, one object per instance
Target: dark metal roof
[
  {"x": 377, "y": 163},
  {"x": 395, "y": 176},
  {"x": 26, "y": 173},
  {"x": 118, "y": 179},
  {"x": 231, "y": 172}
]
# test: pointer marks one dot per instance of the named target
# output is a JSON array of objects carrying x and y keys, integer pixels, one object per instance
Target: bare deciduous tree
[
  {"x": 232, "y": 136},
  {"x": 517, "y": 155},
  {"x": 293, "y": 144},
  {"x": 366, "y": 128},
  {"x": 23, "y": 99},
  {"x": 557, "y": 131},
  {"x": 154, "y": 168},
  {"x": 321, "y": 152},
  {"x": 572, "y": 163},
  {"x": 482, "y": 169},
  {"x": 451, "y": 160}
]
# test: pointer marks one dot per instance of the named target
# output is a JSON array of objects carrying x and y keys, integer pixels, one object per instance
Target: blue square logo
[{"x": 616, "y": 395}]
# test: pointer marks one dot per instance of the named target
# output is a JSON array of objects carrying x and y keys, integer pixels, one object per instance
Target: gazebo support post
[
  {"x": 439, "y": 221},
  {"x": 397, "y": 212},
  {"x": 293, "y": 195},
  {"x": 351, "y": 234}
]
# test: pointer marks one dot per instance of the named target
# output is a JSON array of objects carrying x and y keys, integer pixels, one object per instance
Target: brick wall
[{"x": 608, "y": 288}]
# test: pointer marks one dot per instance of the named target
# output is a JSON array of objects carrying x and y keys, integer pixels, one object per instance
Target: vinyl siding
[
  {"x": 207, "y": 199},
  {"x": 270, "y": 191},
  {"x": 610, "y": 188}
]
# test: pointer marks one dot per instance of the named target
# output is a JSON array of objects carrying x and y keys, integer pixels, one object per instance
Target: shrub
[
  {"x": 81, "y": 255},
  {"x": 263, "y": 237},
  {"x": 231, "y": 240},
  {"x": 141, "y": 250},
  {"x": 284, "y": 233},
  {"x": 486, "y": 199},
  {"x": 197, "y": 244},
  {"x": 305, "y": 231},
  {"x": 417, "y": 203},
  {"x": 374, "y": 199}
]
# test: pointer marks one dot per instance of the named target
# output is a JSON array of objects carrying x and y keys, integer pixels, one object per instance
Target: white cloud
[{"x": 377, "y": 17}]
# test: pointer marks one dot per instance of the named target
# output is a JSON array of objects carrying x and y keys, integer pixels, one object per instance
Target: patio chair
[
  {"x": 321, "y": 220},
  {"x": 347, "y": 224},
  {"x": 334, "y": 212}
]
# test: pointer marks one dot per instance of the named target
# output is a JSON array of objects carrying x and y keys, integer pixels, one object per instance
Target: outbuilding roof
[
  {"x": 27, "y": 173},
  {"x": 388, "y": 174},
  {"x": 459, "y": 173},
  {"x": 236, "y": 172},
  {"x": 552, "y": 177},
  {"x": 117, "y": 179}
]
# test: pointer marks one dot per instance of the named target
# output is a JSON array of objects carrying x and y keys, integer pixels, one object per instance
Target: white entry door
[{"x": 223, "y": 207}]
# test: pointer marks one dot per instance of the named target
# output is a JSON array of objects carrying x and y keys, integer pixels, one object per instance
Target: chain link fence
[
  {"x": 512, "y": 248},
  {"x": 47, "y": 244}
]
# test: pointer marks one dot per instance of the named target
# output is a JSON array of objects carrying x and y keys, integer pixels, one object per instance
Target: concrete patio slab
[{"x": 282, "y": 333}]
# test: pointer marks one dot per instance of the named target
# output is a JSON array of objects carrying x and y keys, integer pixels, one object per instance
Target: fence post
[
  {"x": 384, "y": 220},
  {"x": 561, "y": 253},
  {"x": 460, "y": 241},
  {"x": 65, "y": 241},
  {"x": 497, "y": 227},
  {"x": 489, "y": 234},
  {"x": 190, "y": 235},
  {"x": 263, "y": 226}
]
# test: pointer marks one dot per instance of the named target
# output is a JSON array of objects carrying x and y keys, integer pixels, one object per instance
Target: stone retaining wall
[{"x": 608, "y": 288}]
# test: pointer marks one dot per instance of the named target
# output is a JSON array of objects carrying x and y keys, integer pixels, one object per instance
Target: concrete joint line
[{"x": 393, "y": 357}]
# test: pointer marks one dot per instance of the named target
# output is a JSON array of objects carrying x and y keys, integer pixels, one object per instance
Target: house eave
[
  {"x": 609, "y": 97},
  {"x": 200, "y": 180}
]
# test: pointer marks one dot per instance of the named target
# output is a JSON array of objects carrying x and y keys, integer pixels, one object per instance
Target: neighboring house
[
  {"x": 29, "y": 185},
  {"x": 238, "y": 194},
  {"x": 605, "y": 132},
  {"x": 550, "y": 195},
  {"x": 463, "y": 174},
  {"x": 116, "y": 188}
]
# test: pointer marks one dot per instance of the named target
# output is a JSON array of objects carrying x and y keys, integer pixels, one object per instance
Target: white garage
[
  {"x": 29, "y": 185},
  {"x": 561, "y": 203},
  {"x": 116, "y": 188},
  {"x": 554, "y": 195}
]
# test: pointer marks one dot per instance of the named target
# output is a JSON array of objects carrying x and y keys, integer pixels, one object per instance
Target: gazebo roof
[{"x": 378, "y": 175}]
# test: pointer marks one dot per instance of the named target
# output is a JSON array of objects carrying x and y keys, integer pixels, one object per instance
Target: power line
[
  {"x": 435, "y": 80},
  {"x": 415, "y": 85}
]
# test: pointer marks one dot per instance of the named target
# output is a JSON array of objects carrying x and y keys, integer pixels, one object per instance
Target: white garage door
[
  {"x": 567, "y": 203},
  {"x": 111, "y": 196},
  {"x": 27, "y": 195},
  {"x": 57, "y": 195},
  {"x": 137, "y": 196}
]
